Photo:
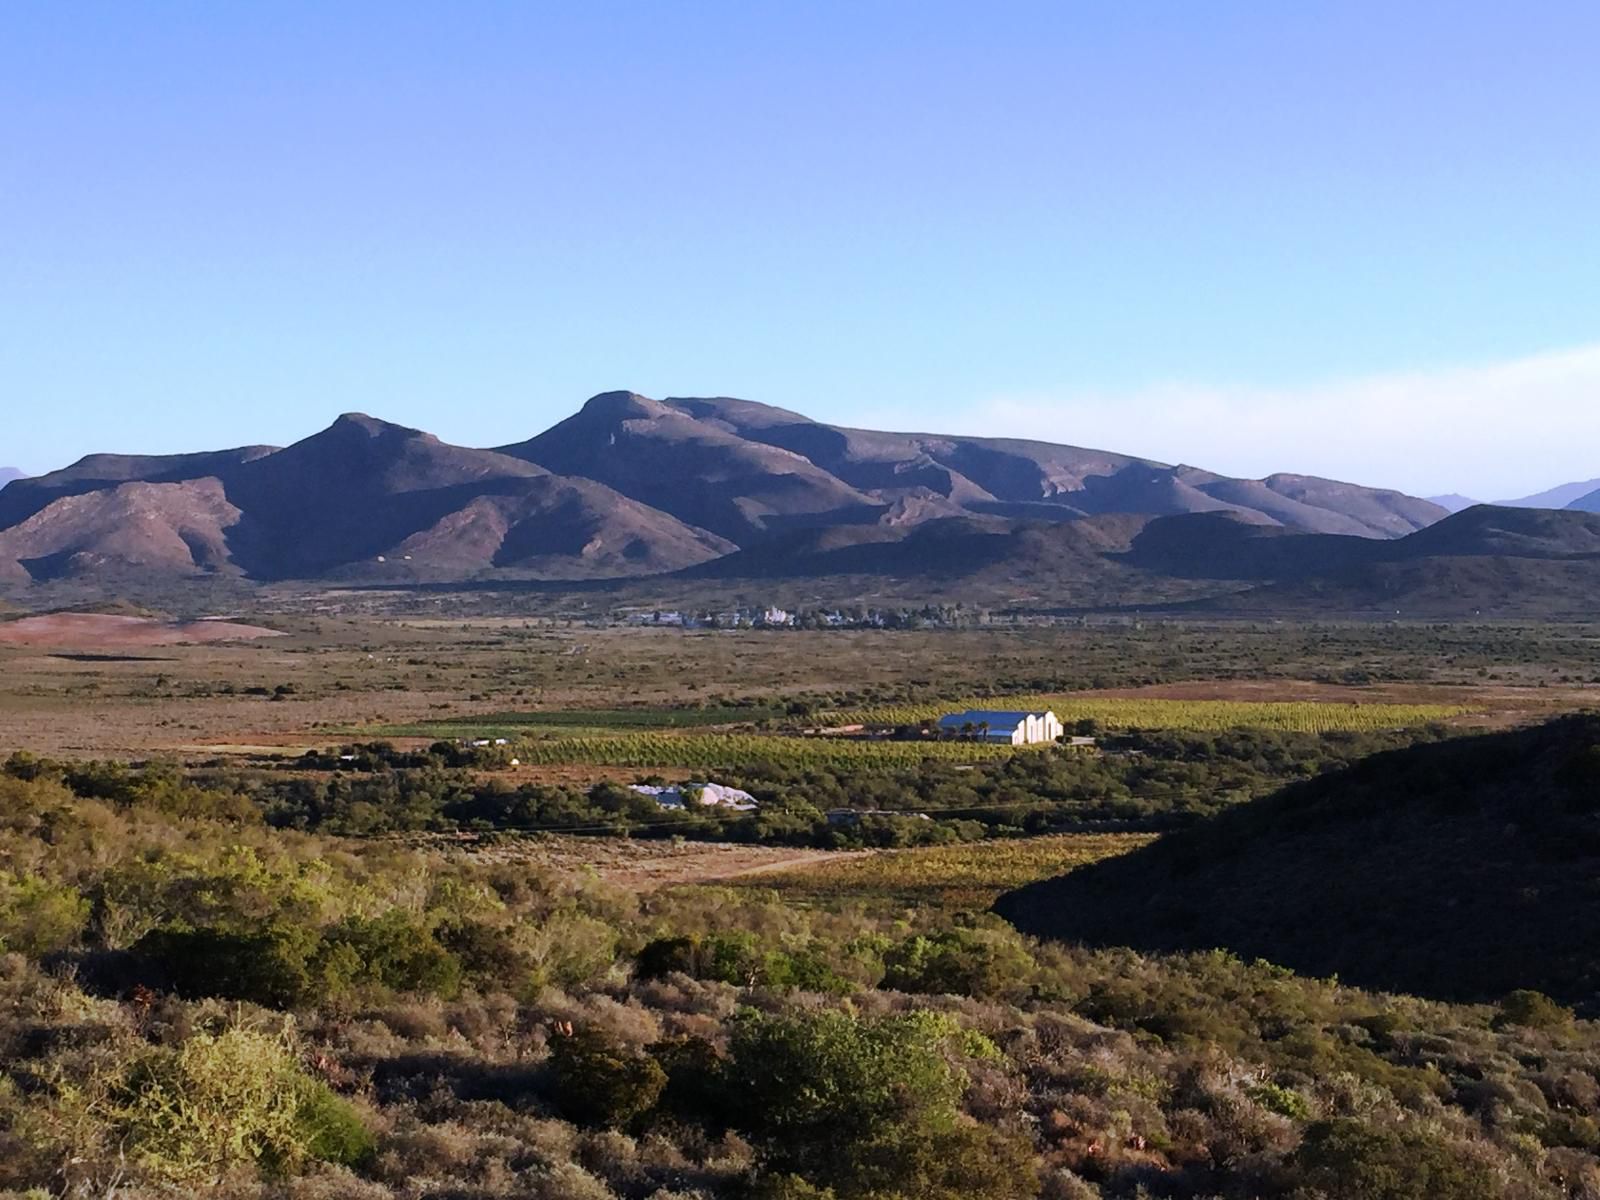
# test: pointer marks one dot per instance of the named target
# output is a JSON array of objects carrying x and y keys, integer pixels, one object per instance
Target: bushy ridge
[{"x": 1462, "y": 869}]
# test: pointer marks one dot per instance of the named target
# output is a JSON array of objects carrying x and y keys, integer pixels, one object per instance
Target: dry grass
[{"x": 969, "y": 876}]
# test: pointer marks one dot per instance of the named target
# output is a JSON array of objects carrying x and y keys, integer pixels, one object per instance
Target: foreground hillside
[
  {"x": 192, "y": 1003},
  {"x": 1464, "y": 869}
]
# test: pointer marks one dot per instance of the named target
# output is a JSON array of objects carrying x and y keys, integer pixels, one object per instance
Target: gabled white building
[{"x": 1006, "y": 728}]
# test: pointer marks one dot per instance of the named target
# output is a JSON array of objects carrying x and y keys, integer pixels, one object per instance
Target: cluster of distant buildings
[
  {"x": 679, "y": 797},
  {"x": 773, "y": 617},
  {"x": 733, "y": 618}
]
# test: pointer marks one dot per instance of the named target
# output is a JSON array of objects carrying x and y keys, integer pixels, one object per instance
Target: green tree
[
  {"x": 967, "y": 962},
  {"x": 868, "y": 1107}
]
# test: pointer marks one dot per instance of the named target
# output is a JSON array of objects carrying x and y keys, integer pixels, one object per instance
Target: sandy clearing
[
  {"x": 103, "y": 631},
  {"x": 636, "y": 864}
]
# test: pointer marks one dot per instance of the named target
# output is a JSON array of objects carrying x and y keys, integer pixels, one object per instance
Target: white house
[
  {"x": 1006, "y": 728},
  {"x": 711, "y": 795}
]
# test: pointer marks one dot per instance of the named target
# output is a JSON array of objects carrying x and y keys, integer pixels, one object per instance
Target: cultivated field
[
  {"x": 330, "y": 674},
  {"x": 1198, "y": 715},
  {"x": 968, "y": 876}
]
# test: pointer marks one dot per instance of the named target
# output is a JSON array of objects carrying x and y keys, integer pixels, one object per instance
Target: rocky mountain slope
[
  {"x": 349, "y": 499},
  {"x": 630, "y": 486}
]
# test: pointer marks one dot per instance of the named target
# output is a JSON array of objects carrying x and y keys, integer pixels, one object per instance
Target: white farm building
[
  {"x": 1006, "y": 728},
  {"x": 711, "y": 795}
]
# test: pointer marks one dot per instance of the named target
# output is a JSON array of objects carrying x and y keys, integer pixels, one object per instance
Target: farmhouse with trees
[{"x": 1004, "y": 728}]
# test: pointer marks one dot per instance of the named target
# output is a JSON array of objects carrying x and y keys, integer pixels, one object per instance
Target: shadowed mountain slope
[{"x": 1462, "y": 869}]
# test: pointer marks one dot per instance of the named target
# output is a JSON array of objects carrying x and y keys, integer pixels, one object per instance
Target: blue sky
[{"x": 1354, "y": 238}]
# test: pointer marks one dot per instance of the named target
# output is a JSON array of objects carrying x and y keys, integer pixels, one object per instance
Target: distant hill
[
  {"x": 1484, "y": 561},
  {"x": 1556, "y": 497},
  {"x": 1453, "y": 501},
  {"x": 1588, "y": 503},
  {"x": 7, "y": 474},
  {"x": 1463, "y": 870},
  {"x": 630, "y": 487}
]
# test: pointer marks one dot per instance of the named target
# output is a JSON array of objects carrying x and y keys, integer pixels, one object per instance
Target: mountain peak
[
  {"x": 623, "y": 406},
  {"x": 361, "y": 423}
]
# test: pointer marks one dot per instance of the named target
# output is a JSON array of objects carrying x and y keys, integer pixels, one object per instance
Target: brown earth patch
[{"x": 104, "y": 631}]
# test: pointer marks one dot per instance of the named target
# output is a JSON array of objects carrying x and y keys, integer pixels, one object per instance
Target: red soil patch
[{"x": 102, "y": 631}]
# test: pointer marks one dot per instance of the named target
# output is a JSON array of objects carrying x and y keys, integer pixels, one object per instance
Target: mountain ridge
[
  {"x": 695, "y": 490},
  {"x": 1560, "y": 496}
]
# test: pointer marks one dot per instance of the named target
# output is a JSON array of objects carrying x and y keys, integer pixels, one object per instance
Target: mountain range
[
  {"x": 1583, "y": 496},
  {"x": 694, "y": 493},
  {"x": 7, "y": 474}
]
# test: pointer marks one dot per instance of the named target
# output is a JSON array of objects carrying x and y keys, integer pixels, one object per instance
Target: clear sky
[{"x": 1358, "y": 239}]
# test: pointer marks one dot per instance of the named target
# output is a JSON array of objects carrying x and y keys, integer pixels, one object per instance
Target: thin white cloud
[{"x": 1490, "y": 431}]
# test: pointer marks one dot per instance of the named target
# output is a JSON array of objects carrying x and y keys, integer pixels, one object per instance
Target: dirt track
[{"x": 637, "y": 864}]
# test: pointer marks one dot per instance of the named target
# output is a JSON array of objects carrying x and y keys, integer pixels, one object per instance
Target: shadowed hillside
[{"x": 1463, "y": 869}]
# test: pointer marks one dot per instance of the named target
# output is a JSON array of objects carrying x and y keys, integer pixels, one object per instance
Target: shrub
[
  {"x": 737, "y": 958},
  {"x": 235, "y": 1099},
  {"x": 599, "y": 1082},
  {"x": 330, "y": 1128},
  {"x": 38, "y": 917},
  {"x": 396, "y": 952},
  {"x": 967, "y": 962},
  {"x": 867, "y": 1107},
  {"x": 1532, "y": 1009},
  {"x": 271, "y": 968},
  {"x": 1281, "y": 1100},
  {"x": 1348, "y": 1160}
]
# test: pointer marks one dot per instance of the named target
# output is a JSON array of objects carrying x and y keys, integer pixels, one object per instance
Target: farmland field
[
  {"x": 1293, "y": 716},
  {"x": 967, "y": 876},
  {"x": 579, "y": 722},
  {"x": 706, "y": 750}
]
